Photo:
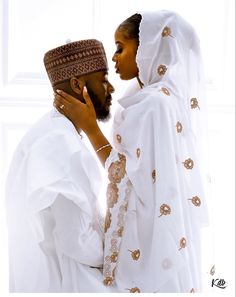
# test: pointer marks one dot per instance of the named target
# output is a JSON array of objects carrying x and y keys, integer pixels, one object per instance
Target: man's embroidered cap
[{"x": 75, "y": 59}]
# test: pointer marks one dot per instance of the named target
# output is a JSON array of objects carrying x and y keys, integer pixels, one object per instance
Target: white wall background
[{"x": 28, "y": 28}]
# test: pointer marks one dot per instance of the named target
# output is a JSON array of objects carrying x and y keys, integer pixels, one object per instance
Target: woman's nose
[{"x": 114, "y": 58}]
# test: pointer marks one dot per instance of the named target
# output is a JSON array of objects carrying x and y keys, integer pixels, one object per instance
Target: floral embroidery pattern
[
  {"x": 182, "y": 243},
  {"x": 112, "y": 194},
  {"x": 114, "y": 257},
  {"x": 138, "y": 152},
  {"x": 135, "y": 254},
  {"x": 116, "y": 170},
  {"x": 154, "y": 176},
  {"x": 212, "y": 271},
  {"x": 118, "y": 137},
  {"x": 134, "y": 290},
  {"x": 161, "y": 70},
  {"x": 120, "y": 231},
  {"x": 194, "y": 103},
  {"x": 188, "y": 163},
  {"x": 108, "y": 281},
  {"x": 107, "y": 220},
  {"x": 118, "y": 223},
  {"x": 166, "y": 32},
  {"x": 196, "y": 200},
  {"x": 165, "y": 91},
  {"x": 179, "y": 127},
  {"x": 164, "y": 210}
]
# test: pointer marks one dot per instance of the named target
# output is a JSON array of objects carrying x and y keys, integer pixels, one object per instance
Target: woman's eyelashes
[{"x": 118, "y": 50}]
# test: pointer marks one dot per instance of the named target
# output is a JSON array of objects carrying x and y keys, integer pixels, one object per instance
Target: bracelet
[{"x": 102, "y": 147}]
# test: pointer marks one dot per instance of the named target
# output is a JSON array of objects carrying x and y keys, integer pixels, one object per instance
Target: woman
[{"x": 155, "y": 199}]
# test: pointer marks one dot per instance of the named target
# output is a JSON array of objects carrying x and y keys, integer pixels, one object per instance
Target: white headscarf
[{"x": 167, "y": 39}]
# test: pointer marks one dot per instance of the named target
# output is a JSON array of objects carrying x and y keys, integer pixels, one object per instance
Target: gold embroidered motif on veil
[
  {"x": 138, "y": 152},
  {"x": 194, "y": 103},
  {"x": 134, "y": 290},
  {"x": 164, "y": 210},
  {"x": 179, "y": 127},
  {"x": 188, "y": 164},
  {"x": 182, "y": 243},
  {"x": 165, "y": 91},
  {"x": 161, "y": 70},
  {"x": 154, "y": 176},
  {"x": 118, "y": 138},
  {"x": 196, "y": 200},
  {"x": 166, "y": 32},
  {"x": 135, "y": 254}
]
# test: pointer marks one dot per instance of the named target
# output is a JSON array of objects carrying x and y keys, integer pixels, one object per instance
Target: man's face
[{"x": 99, "y": 90}]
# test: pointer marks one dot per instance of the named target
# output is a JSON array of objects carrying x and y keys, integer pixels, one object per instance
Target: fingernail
[{"x": 58, "y": 91}]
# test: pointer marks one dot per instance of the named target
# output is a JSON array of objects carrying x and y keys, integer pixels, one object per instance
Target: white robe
[
  {"x": 54, "y": 223},
  {"x": 156, "y": 204}
]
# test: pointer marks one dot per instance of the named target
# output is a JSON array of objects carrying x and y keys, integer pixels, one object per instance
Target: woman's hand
[{"x": 82, "y": 115}]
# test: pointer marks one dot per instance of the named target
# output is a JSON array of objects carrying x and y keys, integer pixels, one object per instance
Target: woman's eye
[{"x": 118, "y": 51}]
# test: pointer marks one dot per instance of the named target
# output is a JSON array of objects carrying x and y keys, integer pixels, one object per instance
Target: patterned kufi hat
[{"x": 75, "y": 59}]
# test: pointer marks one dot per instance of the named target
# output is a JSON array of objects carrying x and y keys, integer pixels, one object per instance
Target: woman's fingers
[
  {"x": 67, "y": 97},
  {"x": 86, "y": 97},
  {"x": 60, "y": 103}
]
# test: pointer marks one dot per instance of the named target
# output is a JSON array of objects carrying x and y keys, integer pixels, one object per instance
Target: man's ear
[{"x": 77, "y": 84}]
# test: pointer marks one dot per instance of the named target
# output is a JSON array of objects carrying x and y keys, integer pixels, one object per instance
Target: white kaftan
[
  {"x": 155, "y": 198},
  {"x": 55, "y": 232}
]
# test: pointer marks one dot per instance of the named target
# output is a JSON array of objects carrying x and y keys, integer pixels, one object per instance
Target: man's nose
[{"x": 111, "y": 89}]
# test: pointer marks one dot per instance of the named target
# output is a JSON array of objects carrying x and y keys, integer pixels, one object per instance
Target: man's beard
[{"x": 102, "y": 111}]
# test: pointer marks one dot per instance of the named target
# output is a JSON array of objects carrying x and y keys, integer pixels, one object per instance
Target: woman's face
[{"x": 125, "y": 55}]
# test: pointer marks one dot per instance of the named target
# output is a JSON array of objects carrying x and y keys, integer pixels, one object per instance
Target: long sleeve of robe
[{"x": 54, "y": 222}]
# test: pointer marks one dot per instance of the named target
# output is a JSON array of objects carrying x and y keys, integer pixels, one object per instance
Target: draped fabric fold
[{"x": 159, "y": 250}]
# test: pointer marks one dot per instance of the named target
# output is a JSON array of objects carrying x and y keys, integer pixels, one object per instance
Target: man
[{"x": 55, "y": 230}]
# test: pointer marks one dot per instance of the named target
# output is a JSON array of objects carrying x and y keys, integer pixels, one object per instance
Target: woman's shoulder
[{"x": 153, "y": 99}]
